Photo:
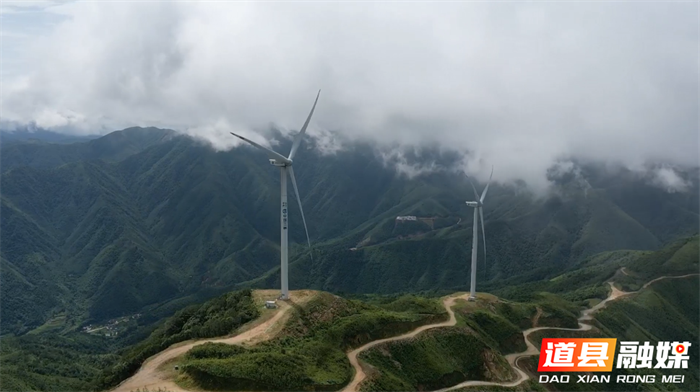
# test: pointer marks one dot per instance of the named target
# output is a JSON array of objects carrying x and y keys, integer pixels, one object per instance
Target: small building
[
  {"x": 270, "y": 304},
  {"x": 406, "y": 218}
]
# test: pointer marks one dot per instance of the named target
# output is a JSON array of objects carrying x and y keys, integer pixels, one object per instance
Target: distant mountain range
[
  {"x": 40, "y": 135},
  {"x": 146, "y": 219}
]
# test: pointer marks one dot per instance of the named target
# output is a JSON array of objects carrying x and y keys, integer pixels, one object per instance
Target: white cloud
[
  {"x": 669, "y": 180},
  {"x": 518, "y": 86},
  {"x": 48, "y": 118},
  {"x": 325, "y": 141},
  {"x": 216, "y": 134},
  {"x": 396, "y": 157}
]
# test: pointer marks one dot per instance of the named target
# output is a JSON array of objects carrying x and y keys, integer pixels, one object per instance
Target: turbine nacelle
[
  {"x": 473, "y": 203},
  {"x": 277, "y": 163}
]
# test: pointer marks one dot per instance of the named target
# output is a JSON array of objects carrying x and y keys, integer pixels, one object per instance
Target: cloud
[
  {"x": 667, "y": 179},
  {"x": 327, "y": 142},
  {"x": 217, "y": 135},
  {"x": 519, "y": 86},
  {"x": 397, "y": 158}
]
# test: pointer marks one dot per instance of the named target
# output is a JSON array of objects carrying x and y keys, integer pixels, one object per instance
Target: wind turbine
[
  {"x": 478, "y": 212},
  {"x": 285, "y": 165}
]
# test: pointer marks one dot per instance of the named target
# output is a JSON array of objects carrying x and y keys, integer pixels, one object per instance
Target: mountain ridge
[
  {"x": 89, "y": 362},
  {"x": 190, "y": 221}
]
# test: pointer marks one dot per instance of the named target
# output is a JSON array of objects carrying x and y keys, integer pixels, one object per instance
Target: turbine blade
[
  {"x": 297, "y": 139},
  {"x": 303, "y": 219},
  {"x": 483, "y": 195},
  {"x": 476, "y": 194},
  {"x": 270, "y": 153},
  {"x": 481, "y": 214}
]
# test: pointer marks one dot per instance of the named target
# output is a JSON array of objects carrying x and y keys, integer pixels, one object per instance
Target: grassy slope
[
  {"x": 679, "y": 258},
  {"x": 316, "y": 338},
  {"x": 472, "y": 350},
  {"x": 667, "y": 310},
  {"x": 310, "y": 352},
  {"x": 436, "y": 358}
]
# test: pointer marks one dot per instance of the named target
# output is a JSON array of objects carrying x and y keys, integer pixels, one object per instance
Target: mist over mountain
[
  {"x": 521, "y": 86},
  {"x": 141, "y": 217},
  {"x": 133, "y": 223}
]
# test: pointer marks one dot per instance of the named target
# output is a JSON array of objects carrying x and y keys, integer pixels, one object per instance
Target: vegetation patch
[
  {"x": 53, "y": 362},
  {"x": 217, "y": 317},
  {"x": 474, "y": 349},
  {"x": 310, "y": 353},
  {"x": 434, "y": 359}
]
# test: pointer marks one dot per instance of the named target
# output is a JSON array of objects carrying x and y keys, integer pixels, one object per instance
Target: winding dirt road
[
  {"x": 512, "y": 359},
  {"x": 531, "y": 350},
  {"x": 151, "y": 377},
  {"x": 664, "y": 277},
  {"x": 352, "y": 355}
]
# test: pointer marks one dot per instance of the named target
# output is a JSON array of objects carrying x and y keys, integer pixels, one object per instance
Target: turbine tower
[
  {"x": 285, "y": 165},
  {"x": 478, "y": 212}
]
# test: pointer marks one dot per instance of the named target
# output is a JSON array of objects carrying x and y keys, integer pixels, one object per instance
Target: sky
[{"x": 518, "y": 85}]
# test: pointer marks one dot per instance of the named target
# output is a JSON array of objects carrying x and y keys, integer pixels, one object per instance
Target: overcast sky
[{"x": 520, "y": 85}]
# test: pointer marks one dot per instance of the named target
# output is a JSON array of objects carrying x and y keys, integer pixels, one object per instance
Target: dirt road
[
  {"x": 512, "y": 359},
  {"x": 151, "y": 377},
  {"x": 531, "y": 350},
  {"x": 352, "y": 355}
]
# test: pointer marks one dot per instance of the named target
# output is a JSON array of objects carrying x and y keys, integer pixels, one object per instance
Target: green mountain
[
  {"x": 48, "y": 152},
  {"x": 79, "y": 361},
  {"x": 309, "y": 353},
  {"x": 147, "y": 221},
  {"x": 19, "y": 133},
  {"x": 665, "y": 310}
]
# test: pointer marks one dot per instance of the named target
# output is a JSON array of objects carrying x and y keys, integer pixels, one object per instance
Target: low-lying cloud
[
  {"x": 519, "y": 86},
  {"x": 667, "y": 178}
]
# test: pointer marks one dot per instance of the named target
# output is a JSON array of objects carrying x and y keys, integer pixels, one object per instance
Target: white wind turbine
[
  {"x": 285, "y": 165},
  {"x": 478, "y": 212}
]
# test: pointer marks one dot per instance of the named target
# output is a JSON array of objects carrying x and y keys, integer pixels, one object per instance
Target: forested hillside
[
  {"x": 314, "y": 340},
  {"x": 144, "y": 220},
  {"x": 78, "y": 361}
]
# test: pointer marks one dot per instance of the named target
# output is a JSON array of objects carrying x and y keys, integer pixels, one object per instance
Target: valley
[
  {"x": 362, "y": 196},
  {"x": 147, "y": 222}
]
